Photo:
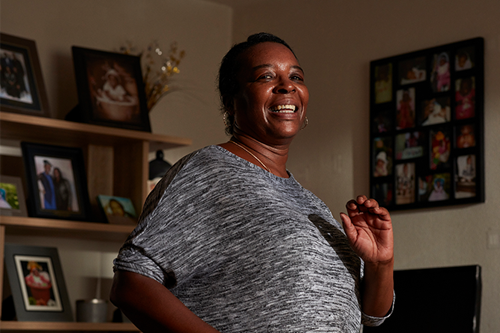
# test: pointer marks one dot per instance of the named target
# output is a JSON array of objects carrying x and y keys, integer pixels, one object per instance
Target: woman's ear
[{"x": 228, "y": 103}]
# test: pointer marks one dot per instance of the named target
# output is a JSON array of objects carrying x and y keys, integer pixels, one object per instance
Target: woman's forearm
[
  {"x": 378, "y": 288},
  {"x": 152, "y": 307}
]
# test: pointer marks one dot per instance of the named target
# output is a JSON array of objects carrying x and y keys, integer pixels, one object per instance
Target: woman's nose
[{"x": 284, "y": 86}]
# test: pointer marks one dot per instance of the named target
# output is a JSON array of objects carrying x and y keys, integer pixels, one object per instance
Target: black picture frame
[
  {"x": 110, "y": 90},
  {"x": 43, "y": 299},
  {"x": 12, "y": 201},
  {"x": 427, "y": 127},
  {"x": 73, "y": 202},
  {"x": 22, "y": 89}
]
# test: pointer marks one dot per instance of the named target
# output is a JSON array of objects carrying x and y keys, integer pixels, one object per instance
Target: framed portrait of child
[{"x": 110, "y": 90}]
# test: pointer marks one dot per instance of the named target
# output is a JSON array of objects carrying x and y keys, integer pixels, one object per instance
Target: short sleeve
[{"x": 131, "y": 259}]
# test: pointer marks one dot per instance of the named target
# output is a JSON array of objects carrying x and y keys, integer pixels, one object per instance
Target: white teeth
[{"x": 284, "y": 109}]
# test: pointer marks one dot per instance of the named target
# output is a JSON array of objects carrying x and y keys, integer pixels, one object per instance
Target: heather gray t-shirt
[{"x": 245, "y": 250}]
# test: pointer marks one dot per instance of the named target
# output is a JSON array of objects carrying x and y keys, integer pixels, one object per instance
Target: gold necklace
[{"x": 248, "y": 151}]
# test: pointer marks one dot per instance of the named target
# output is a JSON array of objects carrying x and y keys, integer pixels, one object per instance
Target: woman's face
[
  {"x": 271, "y": 103},
  {"x": 57, "y": 174},
  {"x": 116, "y": 208}
]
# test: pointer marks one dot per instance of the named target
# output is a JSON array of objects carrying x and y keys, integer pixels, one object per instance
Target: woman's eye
[
  {"x": 297, "y": 78},
  {"x": 265, "y": 76}
]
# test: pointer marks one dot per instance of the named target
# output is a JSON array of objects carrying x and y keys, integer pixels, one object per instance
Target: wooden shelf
[
  {"x": 116, "y": 163},
  {"x": 61, "y": 132},
  {"x": 15, "y": 225},
  {"x": 31, "y": 326}
]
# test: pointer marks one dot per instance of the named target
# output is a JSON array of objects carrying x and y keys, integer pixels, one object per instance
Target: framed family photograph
[
  {"x": 12, "y": 201},
  {"x": 110, "y": 90},
  {"x": 426, "y": 127},
  {"x": 37, "y": 283},
  {"x": 57, "y": 183},
  {"x": 117, "y": 210},
  {"x": 22, "y": 89}
]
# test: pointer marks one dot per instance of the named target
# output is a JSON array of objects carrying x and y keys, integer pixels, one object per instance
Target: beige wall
[
  {"x": 335, "y": 41},
  {"x": 202, "y": 29}
]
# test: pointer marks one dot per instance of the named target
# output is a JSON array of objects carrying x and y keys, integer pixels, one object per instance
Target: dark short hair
[{"x": 227, "y": 80}]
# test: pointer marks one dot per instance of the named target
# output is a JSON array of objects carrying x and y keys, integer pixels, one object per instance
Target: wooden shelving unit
[
  {"x": 116, "y": 162},
  {"x": 36, "y": 326}
]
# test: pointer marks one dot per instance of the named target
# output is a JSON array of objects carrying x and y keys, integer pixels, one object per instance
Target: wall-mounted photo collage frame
[{"x": 427, "y": 127}]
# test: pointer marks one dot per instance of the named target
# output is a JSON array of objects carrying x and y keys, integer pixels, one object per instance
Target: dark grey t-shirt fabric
[{"x": 245, "y": 250}]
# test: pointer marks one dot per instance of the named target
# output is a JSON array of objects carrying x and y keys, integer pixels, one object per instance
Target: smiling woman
[
  {"x": 229, "y": 241},
  {"x": 268, "y": 106}
]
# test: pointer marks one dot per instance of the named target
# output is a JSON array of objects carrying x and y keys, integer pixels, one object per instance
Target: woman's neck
[{"x": 268, "y": 157}]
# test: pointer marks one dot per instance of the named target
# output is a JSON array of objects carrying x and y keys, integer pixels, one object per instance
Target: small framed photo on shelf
[
  {"x": 57, "y": 183},
  {"x": 426, "y": 138},
  {"x": 21, "y": 83},
  {"x": 117, "y": 210},
  {"x": 110, "y": 90},
  {"x": 37, "y": 283},
  {"x": 12, "y": 201}
]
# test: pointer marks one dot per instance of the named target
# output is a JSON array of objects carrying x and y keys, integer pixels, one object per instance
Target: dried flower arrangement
[{"x": 158, "y": 67}]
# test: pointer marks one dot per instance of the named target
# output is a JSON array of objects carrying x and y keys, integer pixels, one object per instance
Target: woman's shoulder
[{"x": 203, "y": 158}]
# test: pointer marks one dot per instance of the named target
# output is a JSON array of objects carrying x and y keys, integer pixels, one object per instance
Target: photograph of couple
[{"x": 56, "y": 184}]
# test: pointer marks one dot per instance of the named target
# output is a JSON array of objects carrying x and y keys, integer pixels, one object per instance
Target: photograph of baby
[
  {"x": 56, "y": 183},
  {"x": 440, "y": 147},
  {"x": 424, "y": 188},
  {"x": 435, "y": 111},
  {"x": 464, "y": 58},
  {"x": 465, "y": 136},
  {"x": 118, "y": 210},
  {"x": 405, "y": 116},
  {"x": 383, "y": 193},
  {"x": 382, "y": 159},
  {"x": 382, "y": 121},
  {"x": 405, "y": 183},
  {"x": 434, "y": 187},
  {"x": 466, "y": 177},
  {"x": 12, "y": 201},
  {"x": 8, "y": 196},
  {"x": 113, "y": 90},
  {"x": 412, "y": 71},
  {"x": 383, "y": 83},
  {"x": 409, "y": 145},
  {"x": 14, "y": 83},
  {"x": 440, "y": 77},
  {"x": 465, "y": 98},
  {"x": 439, "y": 187},
  {"x": 38, "y": 284}
]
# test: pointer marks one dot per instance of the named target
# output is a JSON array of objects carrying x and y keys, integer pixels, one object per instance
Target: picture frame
[
  {"x": 117, "y": 210},
  {"x": 22, "y": 89},
  {"x": 12, "y": 200},
  {"x": 56, "y": 182},
  {"x": 427, "y": 127},
  {"x": 37, "y": 283},
  {"x": 110, "y": 90}
]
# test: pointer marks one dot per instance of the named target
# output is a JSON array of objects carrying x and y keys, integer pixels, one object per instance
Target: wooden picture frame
[
  {"x": 426, "y": 127},
  {"x": 57, "y": 182},
  {"x": 22, "y": 89},
  {"x": 12, "y": 201},
  {"x": 37, "y": 283},
  {"x": 110, "y": 90},
  {"x": 117, "y": 210}
]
